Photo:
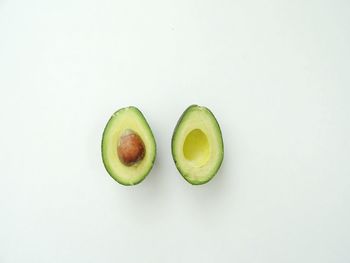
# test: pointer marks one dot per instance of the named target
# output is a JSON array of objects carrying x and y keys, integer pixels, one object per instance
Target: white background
[{"x": 275, "y": 73}]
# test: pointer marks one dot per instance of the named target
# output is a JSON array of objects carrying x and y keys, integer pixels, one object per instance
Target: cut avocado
[
  {"x": 128, "y": 146},
  {"x": 197, "y": 145}
]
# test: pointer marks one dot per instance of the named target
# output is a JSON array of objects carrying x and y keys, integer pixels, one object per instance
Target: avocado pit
[{"x": 131, "y": 148}]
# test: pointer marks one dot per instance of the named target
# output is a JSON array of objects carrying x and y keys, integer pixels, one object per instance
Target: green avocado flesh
[
  {"x": 197, "y": 145},
  {"x": 128, "y": 146}
]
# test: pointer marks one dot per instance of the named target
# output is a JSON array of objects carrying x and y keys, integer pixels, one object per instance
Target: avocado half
[
  {"x": 197, "y": 145},
  {"x": 128, "y": 146}
]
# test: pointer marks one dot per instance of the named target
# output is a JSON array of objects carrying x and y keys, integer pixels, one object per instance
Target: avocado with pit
[
  {"x": 197, "y": 145},
  {"x": 128, "y": 146}
]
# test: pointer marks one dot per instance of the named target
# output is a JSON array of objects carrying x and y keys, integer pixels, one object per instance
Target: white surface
[{"x": 275, "y": 74}]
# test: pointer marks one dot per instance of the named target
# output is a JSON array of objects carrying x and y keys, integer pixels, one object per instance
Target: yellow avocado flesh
[
  {"x": 197, "y": 145},
  {"x": 125, "y": 119}
]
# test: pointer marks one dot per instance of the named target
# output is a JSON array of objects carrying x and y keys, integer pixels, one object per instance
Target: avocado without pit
[{"x": 197, "y": 145}]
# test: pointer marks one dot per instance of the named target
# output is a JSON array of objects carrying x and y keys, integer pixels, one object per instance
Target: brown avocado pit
[{"x": 131, "y": 148}]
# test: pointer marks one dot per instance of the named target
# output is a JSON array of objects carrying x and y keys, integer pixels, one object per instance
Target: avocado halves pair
[{"x": 129, "y": 147}]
